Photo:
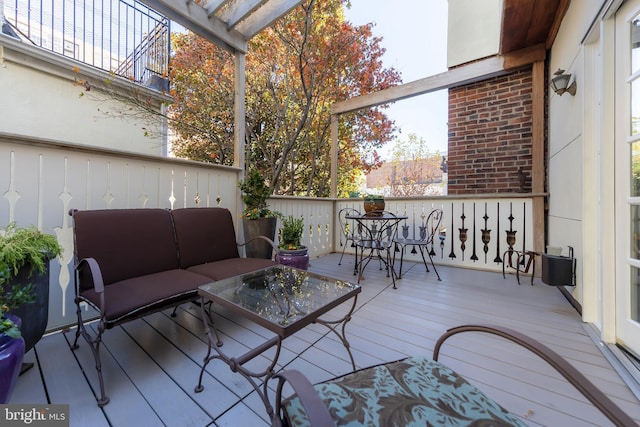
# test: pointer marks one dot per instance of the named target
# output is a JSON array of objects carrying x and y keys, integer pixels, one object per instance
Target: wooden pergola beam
[
  {"x": 537, "y": 156},
  {"x": 463, "y": 75},
  {"x": 265, "y": 16},
  {"x": 194, "y": 17}
]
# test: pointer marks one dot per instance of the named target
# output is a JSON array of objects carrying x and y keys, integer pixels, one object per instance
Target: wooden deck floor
[{"x": 151, "y": 365}]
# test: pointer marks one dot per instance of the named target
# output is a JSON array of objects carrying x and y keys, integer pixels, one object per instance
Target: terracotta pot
[{"x": 373, "y": 205}]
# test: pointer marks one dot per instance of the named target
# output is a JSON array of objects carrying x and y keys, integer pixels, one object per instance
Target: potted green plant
[
  {"x": 257, "y": 218},
  {"x": 10, "y": 300},
  {"x": 373, "y": 202},
  {"x": 291, "y": 252},
  {"x": 23, "y": 251}
]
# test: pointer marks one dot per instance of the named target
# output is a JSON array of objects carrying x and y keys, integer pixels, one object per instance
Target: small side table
[{"x": 283, "y": 300}]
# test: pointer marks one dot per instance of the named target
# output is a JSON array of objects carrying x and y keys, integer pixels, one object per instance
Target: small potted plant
[
  {"x": 257, "y": 218},
  {"x": 291, "y": 252},
  {"x": 23, "y": 251},
  {"x": 373, "y": 202}
]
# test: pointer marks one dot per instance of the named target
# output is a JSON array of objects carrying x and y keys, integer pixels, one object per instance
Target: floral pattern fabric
[{"x": 410, "y": 392}]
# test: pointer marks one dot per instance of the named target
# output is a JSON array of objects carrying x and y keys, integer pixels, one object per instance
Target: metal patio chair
[
  {"x": 376, "y": 233},
  {"x": 425, "y": 241},
  {"x": 348, "y": 228}
]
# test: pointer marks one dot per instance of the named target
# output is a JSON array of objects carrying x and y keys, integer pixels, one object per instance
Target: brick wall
[{"x": 490, "y": 130}]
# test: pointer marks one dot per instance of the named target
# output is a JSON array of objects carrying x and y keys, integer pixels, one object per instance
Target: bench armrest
[
  {"x": 268, "y": 240},
  {"x": 96, "y": 277},
  {"x": 570, "y": 373}
]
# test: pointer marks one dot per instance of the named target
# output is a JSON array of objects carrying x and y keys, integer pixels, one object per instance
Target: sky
[{"x": 414, "y": 34}]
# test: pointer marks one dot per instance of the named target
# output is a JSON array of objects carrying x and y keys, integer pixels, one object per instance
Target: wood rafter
[
  {"x": 266, "y": 15},
  {"x": 527, "y": 23},
  {"x": 239, "y": 10},
  {"x": 229, "y": 24}
]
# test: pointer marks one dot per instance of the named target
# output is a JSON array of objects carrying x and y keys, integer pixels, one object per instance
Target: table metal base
[{"x": 236, "y": 364}]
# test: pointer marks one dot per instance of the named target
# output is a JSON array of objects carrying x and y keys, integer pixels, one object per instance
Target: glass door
[{"x": 627, "y": 167}]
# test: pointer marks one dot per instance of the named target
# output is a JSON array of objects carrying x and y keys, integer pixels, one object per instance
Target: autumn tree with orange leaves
[{"x": 295, "y": 71}]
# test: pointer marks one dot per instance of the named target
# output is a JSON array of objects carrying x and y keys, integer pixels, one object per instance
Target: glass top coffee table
[{"x": 281, "y": 299}]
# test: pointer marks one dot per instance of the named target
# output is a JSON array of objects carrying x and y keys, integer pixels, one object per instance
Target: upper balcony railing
[{"x": 122, "y": 37}]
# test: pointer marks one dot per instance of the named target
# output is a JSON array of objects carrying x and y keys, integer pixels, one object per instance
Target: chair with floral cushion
[{"x": 419, "y": 391}]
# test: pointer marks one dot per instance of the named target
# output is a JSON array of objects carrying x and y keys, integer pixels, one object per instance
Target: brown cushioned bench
[{"x": 133, "y": 262}]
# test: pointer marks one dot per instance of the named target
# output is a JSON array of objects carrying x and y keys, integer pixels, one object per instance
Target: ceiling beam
[
  {"x": 454, "y": 77},
  {"x": 465, "y": 74},
  {"x": 212, "y": 6},
  {"x": 265, "y": 16},
  {"x": 529, "y": 55},
  {"x": 194, "y": 17},
  {"x": 239, "y": 10}
]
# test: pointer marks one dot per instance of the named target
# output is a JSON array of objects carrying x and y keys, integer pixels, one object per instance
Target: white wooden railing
[
  {"x": 499, "y": 216},
  {"x": 495, "y": 217},
  {"x": 40, "y": 181}
]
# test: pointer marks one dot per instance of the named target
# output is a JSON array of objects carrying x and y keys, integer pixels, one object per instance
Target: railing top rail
[
  {"x": 52, "y": 143},
  {"x": 473, "y": 196}
]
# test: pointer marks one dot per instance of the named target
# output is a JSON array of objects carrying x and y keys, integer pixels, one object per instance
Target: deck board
[{"x": 151, "y": 365}]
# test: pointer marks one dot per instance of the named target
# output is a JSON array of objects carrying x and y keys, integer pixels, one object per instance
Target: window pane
[
  {"x": 635, "y": 44},
  {"x": 635, "y": 107},
  {"x": 635, "y": 169},
  {"x": 635, "y": 232},
  {"x": 634, "y": 294}
]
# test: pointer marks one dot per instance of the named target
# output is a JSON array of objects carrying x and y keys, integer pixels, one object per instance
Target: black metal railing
[{"x": 119, "y": 36}]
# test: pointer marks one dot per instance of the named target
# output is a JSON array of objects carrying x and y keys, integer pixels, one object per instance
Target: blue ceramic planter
[
  {"x": 298, "y": 258},
  {"x": 11, "y": 354}
]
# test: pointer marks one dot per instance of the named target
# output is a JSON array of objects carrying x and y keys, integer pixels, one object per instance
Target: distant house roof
[{"x": 422, "y": 171}]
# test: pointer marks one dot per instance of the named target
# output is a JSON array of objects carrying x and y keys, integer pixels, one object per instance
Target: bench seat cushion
[
  {"x": 125, "y": 242},
  {"x": 230, "y": 267},
  {"x": 204, "y": 235},
  {"x": 416, "y": 391},
  {"x": 138, "y": 296}
]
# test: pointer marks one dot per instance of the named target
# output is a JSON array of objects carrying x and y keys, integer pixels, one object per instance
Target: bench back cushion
[
  {"x": 204, "y": 235},
  {"x": 126, "y": 243}
]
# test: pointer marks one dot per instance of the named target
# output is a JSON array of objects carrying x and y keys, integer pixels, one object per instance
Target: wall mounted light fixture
[{"x": 560, "y": 83}]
